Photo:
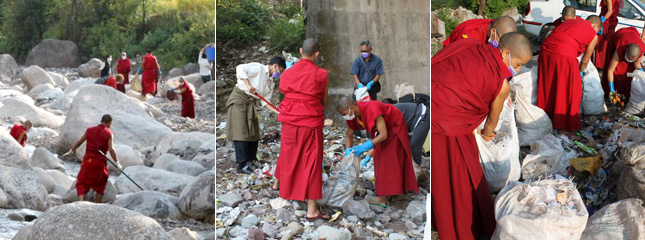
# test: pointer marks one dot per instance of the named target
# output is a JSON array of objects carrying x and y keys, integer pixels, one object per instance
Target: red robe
[
  {"x": 466, "y": 77},
  {"x": 608, "y": 29},
  {"x": 149, "y": 75},
  {"x": 123, "y": 67},
  {"x": 393, "y": 169},
  {"x": 619, "y": 43},
  {"x": 17, "y": 131},
  {"x": 559, "y": 83},
  {"x": 475, "y": 28},
  {"x": 559, "y": 21},
  {"x": 187, "y": 101},
  {"x": 111, "y": 81},
  {"x": 94, "y": 173},
  {"x": 299, "y": 167}
]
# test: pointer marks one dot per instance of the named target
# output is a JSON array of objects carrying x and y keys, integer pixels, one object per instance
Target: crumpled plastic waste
[{"x": 589, "y": 164}]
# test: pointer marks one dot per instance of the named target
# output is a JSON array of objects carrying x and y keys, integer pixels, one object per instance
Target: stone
[
  {"x": 207, "y": 90},
  {"x": 417, "y": 210},
  {"x": 109, "y": 195},
  {"x": 54, "y": 53},
  {"x": 210, "y": 236},
  {"x": 247, "y": 195},
  {"x": 462, "y": 15},
  {"x": 396, "y": 215},
  {"x": 152, "y": 179},
  {"x": 83, "y": 220},
  {"x": 294, "y": 228},
  {"x": 332, "y": 233},
  {"x": 438, "y": 26},
  {"x": 50, "y": 95},
  {"x": 197, "y": 199},
  {"x": 127, "y": 157},
  {"x": 59, "y": 79},
  {"x": 352, "y": 218},
  {"x": 191, "y": 68},
  {"x": 61, "y": 178},
  {"x": 173, "y": 140},
  {"x": 396, "y": 236},
  {"x": 513, "y": 13},
  {"x": 206, "y": 160},
  {"x": 164, "y": 161},
  {"x": 239, "y": 232},
  {"x": 385, "y": 219},
  {"x": 361, "y": 209},
  {"x": 230, "y": 199},
  {"x": 270, "y": 230},
  {"x": 300, "y": 213},
  {"x": 8, "y": 67},
  {"x": 45, "y": 179},
  {"x": 39, "y": 117},
  {"x": 132, "y": 125},
  {"x": 46, "y": 160},
  {"x": 34, "y": 76},
  {"x": 250, "y": 221},
  {"x": 37, "y": 90},
  {"x": 256, "y": 234},
  {"x": 152, "y": 204},
  {"x": 377, "y": 209},
  {"x": 221, "y": 232},
  {"x": 91, "y": 68},
  {"x": 16, "y": 217},
  {"x": 279, "y": 203},
  {"x": 175, "y": 72},
  {"x": 184, "y": 234},
  {"x": 410, "y": 225},
  {"x": 185, "y": 167},
  {"x": 284, "y": 214},
  {"x": 74, "y": 86}
]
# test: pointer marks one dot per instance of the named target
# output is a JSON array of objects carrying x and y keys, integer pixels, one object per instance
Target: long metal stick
[{"x": 126, "y": 175}]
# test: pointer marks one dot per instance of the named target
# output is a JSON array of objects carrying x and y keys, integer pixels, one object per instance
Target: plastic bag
[
  {"x": 593, "y": 96},
  {"x": 500, "y": 157},
  {"x": 135, "y": 83},
  {"x": 362, "y": 95},
  {"x": 532, "y": 122},
  {"x": 547, "y": 209},
  {"x": 620, "y": 220},
  {"x": 547, "y": 157},
  {"x": 527, "y": 80},
  {"x": 636, "y": 103},
  {"x": 341, "y": 186},
  {"x": 403, "y": 89}
]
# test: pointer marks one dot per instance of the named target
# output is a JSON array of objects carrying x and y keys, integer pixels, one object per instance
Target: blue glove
[
  {"x": 602, "y": 19},
  {"x": 159, "y": 72},
  {"x": 325, "y": 113},
  {"x": 611, "y": 87},
  {"x": 600, "y": 32},
  {"x": 360, "y": 85},
  {"x": 641, "y": 69},
  {"x": 289, "y": 64},
  {"x": 360, "y": 149},
  {"x": 348, "y": 151},
  {"x": 139, "y": 70},
  {"x": 369, "y": 85},
  {"x": 582, "y": 74},
  {"x": 365, "y": 161}
]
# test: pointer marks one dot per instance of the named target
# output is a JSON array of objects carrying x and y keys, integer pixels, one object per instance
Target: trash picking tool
[
  {"x": 266, "y": 101},
  {"x": 121, "y": 171}
]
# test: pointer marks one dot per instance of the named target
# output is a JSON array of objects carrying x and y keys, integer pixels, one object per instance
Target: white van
[{"x": 540, "y": 14}]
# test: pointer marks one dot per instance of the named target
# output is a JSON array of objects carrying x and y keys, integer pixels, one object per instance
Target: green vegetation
[
  {"x": 495, "y": 8},
  {"x": 176, "y": 30},
  {"x": 450, "y": 23}
]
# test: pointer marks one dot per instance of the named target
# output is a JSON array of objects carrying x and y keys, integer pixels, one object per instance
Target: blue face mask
[
  {"x": 492, "y": 40},
  {"x": 510, "y": 67},
  {"x": 365, "y": 54}
]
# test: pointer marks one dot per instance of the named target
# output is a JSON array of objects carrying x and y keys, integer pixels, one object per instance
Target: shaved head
[
  {"x": 569, "y": 11},
  {"x": 504, "y": 24},
  {"x": 310, "y": 47},
  {"x": 27, "y": 124},
  {"x": 344, "y": 103},
  {"x": 517, "y": 43},
  {"x": 595, "y": 20},
  {"x": 633, "y": 52}
]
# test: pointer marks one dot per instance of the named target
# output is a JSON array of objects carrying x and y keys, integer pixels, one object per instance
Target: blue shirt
[{"x": 374, "y": 64}]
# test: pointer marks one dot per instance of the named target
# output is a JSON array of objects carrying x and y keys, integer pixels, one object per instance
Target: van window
[
  {"x": 627, "y": 10},
  {"x": 585, "y": 5}
]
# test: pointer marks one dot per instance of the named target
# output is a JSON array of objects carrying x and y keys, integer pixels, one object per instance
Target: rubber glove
[
  {"x": 159, "y": 72},
  {"x": 365, "y": 161},
  {"x": 600, "y": 32},
  {"x": 360, "y": 85},
  {"x": 369, "y": 85},
  {"x": 348, "y": 151},
  {"x": 641, "y": 69},
  {"x": 139, "y": 70},
  {"x": 602, "y": 19},
  {"x": 360, "y": 149},
  {"x": 611, "y": 87},
  {"x": 582, "y": 74}
]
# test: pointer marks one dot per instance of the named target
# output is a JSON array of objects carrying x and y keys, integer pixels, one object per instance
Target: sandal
[
  {"x": 375, "y": 203},
  {"x": 320, "y": 216}
]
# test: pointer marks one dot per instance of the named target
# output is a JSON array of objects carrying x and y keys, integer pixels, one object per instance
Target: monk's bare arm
[
  {"x": 79, "y": 142},
  {"x": 22, "y": 136},
  {"x": 382, "y": 130},
  {"x": 610, "y": 9},
  {"x": 356, "y": 81},
  {"x": 612, "y": 67},
  {"x": 271, "y": 109},
  {"x": 111, "y": 148},
  {"x": 349, "y": 138},
  {"x": 588, "y": 53},
  {"x": 496, "y": 107}
]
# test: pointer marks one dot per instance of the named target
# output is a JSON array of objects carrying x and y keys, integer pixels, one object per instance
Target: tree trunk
[{"x": 482, "y": 4}]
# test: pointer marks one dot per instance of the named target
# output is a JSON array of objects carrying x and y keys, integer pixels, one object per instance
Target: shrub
[
  {"x": 450, "y": 23},
  {"x": 287, "y": 34},
  {"x": 289, "y": 9},
  {"x": 240, "y": 21}
]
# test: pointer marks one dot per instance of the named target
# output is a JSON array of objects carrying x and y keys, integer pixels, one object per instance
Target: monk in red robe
[
  {"x": 151, "y": 72},
  {"x": 483, "y": 30},
  {"x": 468, "y": 84},
  {"x": 299, "y": 168},
  {"x": 393, "y": 171},
  {"x": 609, "y": 19},
  {"x": 627, "y": 48},
  {"x": 19, "y": 132},
  {"x": 94, "y": 173},
  {"x": 123, "y": 67},
  {"x": 187, "y": 99},
  {"x": 560, "y": 74},
  {"x": 568, "y": 13}
]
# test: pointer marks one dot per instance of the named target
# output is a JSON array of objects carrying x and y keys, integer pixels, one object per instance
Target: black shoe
[{"x": 244, "y": 170}]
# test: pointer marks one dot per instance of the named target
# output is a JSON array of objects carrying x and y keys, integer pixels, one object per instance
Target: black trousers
[
  {"x": 419, "y": 135},
  {"x": 245, "y": 153}
]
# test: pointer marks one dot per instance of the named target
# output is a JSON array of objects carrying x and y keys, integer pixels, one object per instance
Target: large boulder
[
  {"x": 84, "y": 220},
  {"x": 191, "y": 68},
  {"x": 53, "y": 53},
  {"x": 109, "y": 194},
  {"x": 59, "y": 79},
  {"x": 37, "y": 90},
  {"x": 8, "y": 67},
  {"x": 438, "y": 26},
  {"x": 197, "y": 200},
  {"x": 34, "y": 75},
  {"x": 152, "y": 179},
  {"x": 175, "y": 72},
  {"x": 152, "y": 204},
  {"x": 61, "y": 178},
  {"x": 91, "y": 68},
  {"x": 73, "y": 88},
  {"x": 127, "y": 157},
  {"x": 184, "y": 234},
  {"x": 175, "y": 140},
  {"x": 206, "y": 160},
  {"x": 207, "y": 90},
  {"x": 46, "y": 160},
  {"x": 163, "y": 161},
  {"x": 39, "y": 117},
  {"x": 132, "y": 125},
  {"x": 185, "y": 167}
]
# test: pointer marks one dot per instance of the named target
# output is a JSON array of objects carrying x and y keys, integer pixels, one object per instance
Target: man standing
[
  {"x": 627, "y": 49},
  {"x": 367, "y": 70},
  {"x": 19, "y": 132},
  {"x": 106, "y": 71},
  {"x": 469, "y": 84},
  {"x": 151, "y": 72},
  {"x": 483, "y": 30},
  {"x": 242, "y": 125},
  {"x": 123, "y": 67},
  {"x": 559, "y": 73},
  {"x": 393, "y": 170},
  {"x": 187, "y": 99},
  {"x": 94, "y": 173},
  {"x": 568, "y": 13},
  {"x": 299, "y": 168},
  {"x": 609, "y": 20},
  {"x": 204, "y": 66}
]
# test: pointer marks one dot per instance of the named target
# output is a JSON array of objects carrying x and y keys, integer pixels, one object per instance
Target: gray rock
[
  {"x": 39, "y": 117},
  {"x": 164, "y": 161},
  {"x": 250, "y": 221},
  {"x": 332, "y": 233},
  {"x": 284, "y": 215},
  {"x": 279, "y": 203},
  {"x": 295, "y": 227},
  {"x": 59, "y": 79},
  {"x": 377, "y": 209},
  {"x": 91, "y": 68},
  {"x": 83, "y": 220},
  {"x": 270, "y": 230},
  {"x": 385, "y": 219},
  {"x": 410, "y": 225},
  {"x": 185, "y": 167},
  {"x": 152, "y": 179},
  {"x": 197, "y": 200},
  {"x": 61, "y": 178},
  {"x": 151, "y": 204},
  {"x": 396, "y": 215},
  {"x": 8, "y": 67},
  {"x": 46, "y": 160},
  {"x": 191, "y": 68},
  {"x": 417, "y": 210},
  {"x": 300, "y": 213},
  {"x": 221, "y": 232},
  {"x": 16, "y": 217},
  {"x": 175, "y": 72},
  {"x": 183, "y": 234},
  {"x": 207, "y": 90},
  {"x": 352, "y": 218},
  {"x": 396, "y": 236},
  {"x": 176, "y": 140},
  {"x": 108, "y": 197},
  {"x": 45, "y": 179},
  {"x": 438, "y": 26},
  {"x": 256, "y": 234},
  {"x": 359, "y": 208},
  {"x": 55, "y": 54},
  {"x": 38, "y": 89},
  {"x": 230, "y": 199},
  {"x": 238, "y": 231},
  {"x": 210, "y": 236},
  {"x": 206, "y": 160}
]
